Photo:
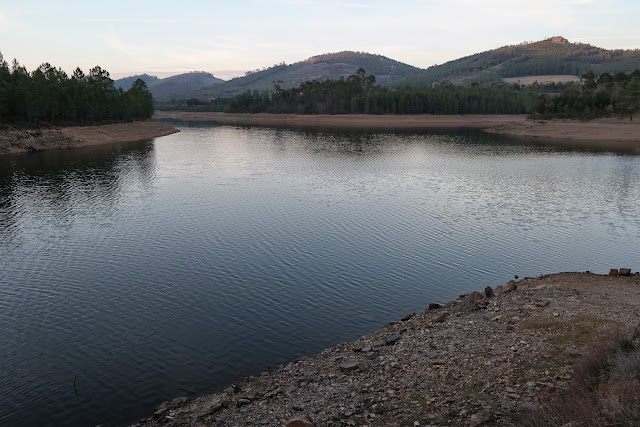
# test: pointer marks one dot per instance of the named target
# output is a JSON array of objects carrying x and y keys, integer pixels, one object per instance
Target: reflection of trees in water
[{"x": 90, "y": 180}]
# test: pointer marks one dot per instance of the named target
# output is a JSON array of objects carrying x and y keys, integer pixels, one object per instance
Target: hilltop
[
  {"x": 174, "y": 86},
  {"x": 553, "y": 56},
  {"x": 322, "y": 67}
]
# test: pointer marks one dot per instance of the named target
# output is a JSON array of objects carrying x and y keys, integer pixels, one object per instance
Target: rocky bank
[
  {"x": 14, "y": 140},
  {"x": 479, "y": 360}
]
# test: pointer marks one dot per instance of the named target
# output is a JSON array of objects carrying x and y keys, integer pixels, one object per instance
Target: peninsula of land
[
  {"x": 14, "y": 140},
  {"x": 598, "y": 131},
  {"x": 486, "y": 358}
]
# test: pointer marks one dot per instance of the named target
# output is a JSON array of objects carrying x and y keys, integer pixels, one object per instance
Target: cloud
[{"x": 137, "y": 21}]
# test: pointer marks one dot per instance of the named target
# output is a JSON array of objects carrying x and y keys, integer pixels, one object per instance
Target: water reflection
[
  {"x": 154, "y": 270},
  {"x": 63, "y": 181}
]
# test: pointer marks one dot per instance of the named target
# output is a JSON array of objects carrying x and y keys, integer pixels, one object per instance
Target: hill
[
  {"x": 126, "y": 82},
  {"x": 174, "y": 86},
  {"x": 329, "y": 66},
  {"x": 553, "y": 56}
]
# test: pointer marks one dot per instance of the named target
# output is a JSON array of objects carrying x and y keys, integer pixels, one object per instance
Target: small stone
[
  {"x": 625, "y": 272},
  {"x": 613, "y": 272},
  {"x": 407, "y": 317},
  {"x": 434, "y": 306},
  {"x": 556, "y": 314},
  {"x": 300, "y": 422},
  {"x": 541, "y": 303},
  {"x": 243, "y": 402},
  {"x": 488, "y": 292},
  {"x": 392, "y": 339},
  {"x": 288, "y": 367},
  {"x": 362, "y": 366}
]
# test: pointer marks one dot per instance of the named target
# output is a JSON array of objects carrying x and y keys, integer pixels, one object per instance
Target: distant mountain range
[
  {"x": 174, "y": 86},
  {"x": 553, "y": 56}
]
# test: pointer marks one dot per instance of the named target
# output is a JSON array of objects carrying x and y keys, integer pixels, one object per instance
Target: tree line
[
  {"x": 605, "y": 95},
  {"x": 48, "y": 94},
  {"x": 358, "y": 94}
]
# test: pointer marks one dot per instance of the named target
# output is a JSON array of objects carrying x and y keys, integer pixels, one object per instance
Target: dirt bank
[
  {"x": 595, "y": 131},
  {"x": 479, "y": 360},
  {"x": 360, "y": 121},
  {"x": 599, "y": 130},
  {"x": 27, "y": 140}
]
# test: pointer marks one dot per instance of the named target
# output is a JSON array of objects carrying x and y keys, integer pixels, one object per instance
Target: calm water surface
[{"x": 166, "y": 268}]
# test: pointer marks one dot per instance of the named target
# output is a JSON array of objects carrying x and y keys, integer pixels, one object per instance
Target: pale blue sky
[{"x": 230, "y": 37}]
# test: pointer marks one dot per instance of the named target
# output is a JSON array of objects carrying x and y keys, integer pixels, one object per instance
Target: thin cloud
[{"x": 136, "y": 21}]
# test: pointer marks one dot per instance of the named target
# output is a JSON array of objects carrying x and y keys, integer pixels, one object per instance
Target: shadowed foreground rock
[{"x": 479, "y": 360}]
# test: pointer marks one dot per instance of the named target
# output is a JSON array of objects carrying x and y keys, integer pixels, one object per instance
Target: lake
[{"x": 132, "y": 274}]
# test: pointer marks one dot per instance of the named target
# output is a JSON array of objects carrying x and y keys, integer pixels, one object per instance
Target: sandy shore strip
[
  {"x": 595, "y": 131},
  {"x": 482, "y": 359},
  {"x": 29, "y": 140}
]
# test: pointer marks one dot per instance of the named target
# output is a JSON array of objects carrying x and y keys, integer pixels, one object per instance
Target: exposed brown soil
[
  {"x": 595, "y": 132},
  {"x": 360, "y": 121},
  {"x": 28, "y": 140},
  {"x": 480, "y": 360},
  {"x": 599, "y": 130}
]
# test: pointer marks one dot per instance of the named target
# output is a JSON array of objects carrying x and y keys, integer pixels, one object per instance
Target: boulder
[
  {"x": 392, "y": 339},
  {"x": 349, "y": 365},
  {"x": 300, "y": 422},
  {"x": 613, "y": 272},
  {"x": 488, "y": 292},
  {"x": 625, "y": 272}
]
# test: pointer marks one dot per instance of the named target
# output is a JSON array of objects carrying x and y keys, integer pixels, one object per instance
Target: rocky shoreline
[
  {"x": 482, "y": 359},
  {"x": 30, "y": 140}
]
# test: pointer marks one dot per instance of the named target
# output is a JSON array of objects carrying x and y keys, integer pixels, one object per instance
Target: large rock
[
  {"x": 473, "y": 301},
  {"x": 479, "y": 419},
  {"x": 349, "y": 365},
  {"x": 300, "y": 422},
  {"x": 625, "y": 272},
  {"x": 613, "y": 272},
  {"x": 392, "y": 339}
]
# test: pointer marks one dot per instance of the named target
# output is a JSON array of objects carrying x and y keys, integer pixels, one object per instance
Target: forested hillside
[
  {"x": 358, "y": 94},
  {"x": 49, "y": 94},
  {"x": 171, "y": 87},
  {"x": 552, "y": 56},
  {"x": 330, "y": 66}
]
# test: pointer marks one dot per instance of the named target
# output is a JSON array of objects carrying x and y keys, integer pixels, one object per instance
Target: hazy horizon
[{"x": 227, "y": 40}]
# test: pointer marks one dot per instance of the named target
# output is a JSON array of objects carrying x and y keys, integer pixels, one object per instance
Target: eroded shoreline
[
  {"x": 595, "y": 132},
  {"x": 29, "y": 140},
  {"x": 479, "y": 360}
]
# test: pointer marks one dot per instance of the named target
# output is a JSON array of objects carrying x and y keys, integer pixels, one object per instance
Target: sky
[{"x": 228, "y": 38}]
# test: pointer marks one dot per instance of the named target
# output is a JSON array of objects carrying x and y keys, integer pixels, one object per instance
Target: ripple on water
[{"x": 171, "y": 268}]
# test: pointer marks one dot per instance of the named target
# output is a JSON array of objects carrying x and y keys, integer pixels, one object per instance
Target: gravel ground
[{"x": 479, "y": 360}]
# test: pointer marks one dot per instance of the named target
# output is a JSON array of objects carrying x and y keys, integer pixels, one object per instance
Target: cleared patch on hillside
[{"x": 554, "y": 78}]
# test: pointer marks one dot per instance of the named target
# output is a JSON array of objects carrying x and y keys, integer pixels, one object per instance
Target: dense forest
[
  {"x": 358, "y": 94},
  {"x": 606, "y": 95},
  {"x": 48, "y": 94}
]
